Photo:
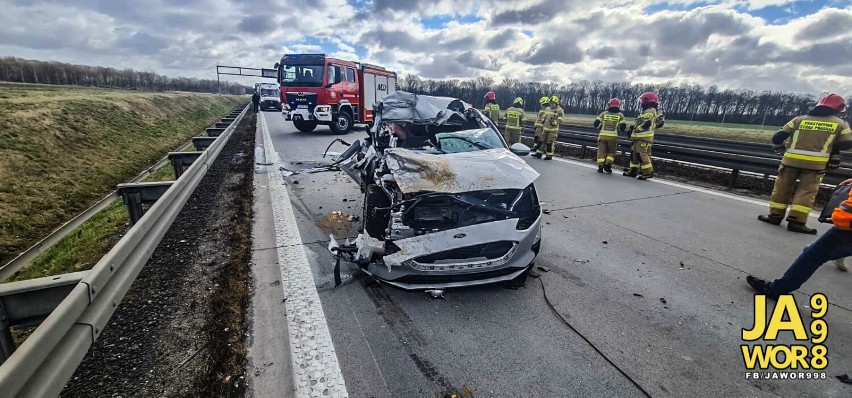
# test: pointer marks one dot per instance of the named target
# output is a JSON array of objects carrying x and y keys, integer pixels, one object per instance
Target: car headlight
[
  {"x": 323, "y": 108},
  {"x": 285, "y": 107}
]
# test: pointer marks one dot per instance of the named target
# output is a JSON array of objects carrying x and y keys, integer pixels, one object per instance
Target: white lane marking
[
  {"x": 686, "y": 186},
  {"x": 316, "y": 371}
]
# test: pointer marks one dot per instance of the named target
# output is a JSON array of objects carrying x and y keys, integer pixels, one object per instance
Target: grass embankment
[
  {"x": 739, "y": 132},
  {"x": 66, "y": 147}
]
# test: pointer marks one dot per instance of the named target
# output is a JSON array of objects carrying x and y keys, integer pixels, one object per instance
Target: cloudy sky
[{"x": 795, "y": 45}]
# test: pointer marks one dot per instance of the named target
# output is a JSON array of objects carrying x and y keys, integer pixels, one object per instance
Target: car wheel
[
  {"x": 376, "y": 213},
  {"x": 342, "y": 123},
  {"x": 305, "y": 126}
]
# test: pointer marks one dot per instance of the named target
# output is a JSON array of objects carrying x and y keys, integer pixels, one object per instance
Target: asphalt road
[{"x": 652, "y": 273}]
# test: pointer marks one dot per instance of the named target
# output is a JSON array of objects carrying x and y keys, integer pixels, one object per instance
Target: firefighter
[
  {"x": 492, "y": 110},
  {"x": 560, "y": 113},
  {"x": 514, "y": 118},
  {"x": 836, "y": 243},
  {"x": 816, "y": 141},
  {"x": 642, "y": 134},
  {"x": 550, "y": 130},
  {"x": 539, "y": 123},
  {"x": 610, "y": 122}
]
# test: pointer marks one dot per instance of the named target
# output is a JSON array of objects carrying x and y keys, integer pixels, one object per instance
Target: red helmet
[
  {"x": 833, "y": 101},
  {"x": 614, "y": 103},
  {"x": 490, "y": 96},
  {"x": 648, "y": 98}
]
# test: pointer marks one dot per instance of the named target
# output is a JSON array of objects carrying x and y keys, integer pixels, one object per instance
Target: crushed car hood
[{"x": 458, "y": 172}]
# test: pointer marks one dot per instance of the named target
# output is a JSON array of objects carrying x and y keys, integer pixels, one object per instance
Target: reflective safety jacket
[
  {"x": 610, "y": 124},
  {"x": 514, "y": 118},
  {"x": 492, "y": 111},
  {"x": 551, "y": 120},
  {"x": 644, "y": 131},
  {"x": 539, "y": 120},
  {"x": 842, "y": 215},
  {"x": 811, "y": 140},
  {"x": 560, "y": 113}
]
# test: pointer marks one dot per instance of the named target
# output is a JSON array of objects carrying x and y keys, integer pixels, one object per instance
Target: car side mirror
[
  {"x": 275, "y": 66},
  {"x": 520, "y": 149}
]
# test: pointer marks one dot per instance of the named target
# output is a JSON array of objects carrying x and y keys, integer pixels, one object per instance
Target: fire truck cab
[{"x": 318, "y": 90}]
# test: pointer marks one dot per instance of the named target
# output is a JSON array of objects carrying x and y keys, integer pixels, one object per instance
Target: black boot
[
  {"x": 536, "y": 144},
  {"x": 761, "y": 286},
  {"x": 600, "y": 169},
  {"x": 773, "y": 219},
  {"x": 548, "y": 157},
  {"x": 537, "y": 155},
  {"x": 800, "y": 227},
  {"x": 608, "y": 168},
  {"x": 631, "y": 172},
  {"x": 644, "y": 177}
]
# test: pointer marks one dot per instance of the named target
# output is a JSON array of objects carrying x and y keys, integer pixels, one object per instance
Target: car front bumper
[{"x": 305, "y": 114}]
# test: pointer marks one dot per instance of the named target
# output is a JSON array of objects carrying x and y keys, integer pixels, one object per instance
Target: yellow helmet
[
  {"x": 554, "y": 99},
  {"x": 519, "y": 100},
  {"x": 544, "y": 100}
]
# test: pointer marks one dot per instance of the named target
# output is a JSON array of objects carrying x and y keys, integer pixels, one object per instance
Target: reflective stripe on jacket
[
  {"x": 514, "y": 118},
  {"x": 609, "y": 123},
  {"x": 493, "y": 111},
  {"x": 811, "y": 140},
  {"x": 639, "y": 132}
]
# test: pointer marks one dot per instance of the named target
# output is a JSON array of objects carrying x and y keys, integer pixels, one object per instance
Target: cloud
[{"x": 730, "y": 43}]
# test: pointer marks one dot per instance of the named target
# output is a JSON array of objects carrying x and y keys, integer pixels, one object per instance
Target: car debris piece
[
  {"x": 663, "y": 300},
  {"x": 844, "y": 379},
  {"x": 638, "y": 294},
  {"x": 544, "y": 269},
  {"x": 545, "y": 211},
  {"x": 436, "y": 293}
]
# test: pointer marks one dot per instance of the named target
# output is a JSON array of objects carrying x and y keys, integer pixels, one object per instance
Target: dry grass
[{"x": 65, "y": 147}]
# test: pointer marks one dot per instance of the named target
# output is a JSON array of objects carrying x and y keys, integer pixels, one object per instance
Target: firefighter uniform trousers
[
  {"x": 539, "y": 130},
  {"x": 640, "y": 157},
  {"x": 606, "y": 149},
  {"x": 801, "y": 196}
]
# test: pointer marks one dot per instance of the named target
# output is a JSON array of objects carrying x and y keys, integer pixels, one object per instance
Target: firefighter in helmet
[
  {"x": 514, "y": 118},
  {"x": 560, "y": 113},
  {"x": 610, "y": 122},
  {"x": 492, "y": 110},
  {"x": 642, "y": 134},
  {"x": 550, "y": 130},
  {"x": 539, "y": 123},
  {"x": 816, "y": 140}
]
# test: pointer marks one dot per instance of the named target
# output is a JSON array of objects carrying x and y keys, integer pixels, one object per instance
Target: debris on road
[
  {"x": 663, "y": 300},
  {"x": 638, "y": 294},
  {"x": 845, "y": 379},
  {"x": 354, "y": 218},
  {"x": 605, "y": 242},
  {"x": 545, "y": 211},
  {"x": 580, "y": 261},
  {"x": 545, "y": 269},
  {"x": 436, "y": 293}
]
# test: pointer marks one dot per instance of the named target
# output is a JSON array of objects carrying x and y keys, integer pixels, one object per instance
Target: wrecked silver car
[{"x": 446, "y": 202}]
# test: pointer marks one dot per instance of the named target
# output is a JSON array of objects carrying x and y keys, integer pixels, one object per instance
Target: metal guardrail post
[
  {"x": 221, "y": 125},
  {"x": 733, "y": 181},
  {"x": 202, "y": 143},
  {"x": 214, "y": 132},
  {"x": 182, "y": 160},
  {"x": 135, "y": 195}
]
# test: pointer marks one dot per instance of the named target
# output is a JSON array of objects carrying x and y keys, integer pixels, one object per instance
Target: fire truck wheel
[
  {"x": 305, "y": 126},
  {"x": 342, "y": 123}
]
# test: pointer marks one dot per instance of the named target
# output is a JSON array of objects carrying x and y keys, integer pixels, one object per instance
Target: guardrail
[
  {"x": 760, "y": 162},
  {"x": 46, "y": 360}
]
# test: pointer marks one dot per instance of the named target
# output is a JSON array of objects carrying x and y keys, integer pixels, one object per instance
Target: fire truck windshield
[{"x": 301, "y": 75}]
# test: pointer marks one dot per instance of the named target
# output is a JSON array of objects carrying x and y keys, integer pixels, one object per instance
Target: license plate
[{"x": 302, "y": 107}]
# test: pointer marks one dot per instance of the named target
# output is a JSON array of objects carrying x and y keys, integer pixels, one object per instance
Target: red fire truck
[{"x": 316, "y": 89}]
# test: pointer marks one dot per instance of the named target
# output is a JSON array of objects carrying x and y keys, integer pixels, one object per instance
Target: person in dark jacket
[{"x": 255, "y": 101}]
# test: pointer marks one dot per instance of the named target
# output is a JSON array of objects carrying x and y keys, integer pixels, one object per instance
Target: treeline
[
  {"x": 13, "y": 69},
  {"x": 682, "y": 102}
]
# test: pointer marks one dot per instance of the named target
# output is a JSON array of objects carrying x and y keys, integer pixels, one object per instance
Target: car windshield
[
  {"x": 468, "y": 140},
  {"x": 269, "y": 93},
  {"x": 301, "y": 75}
]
